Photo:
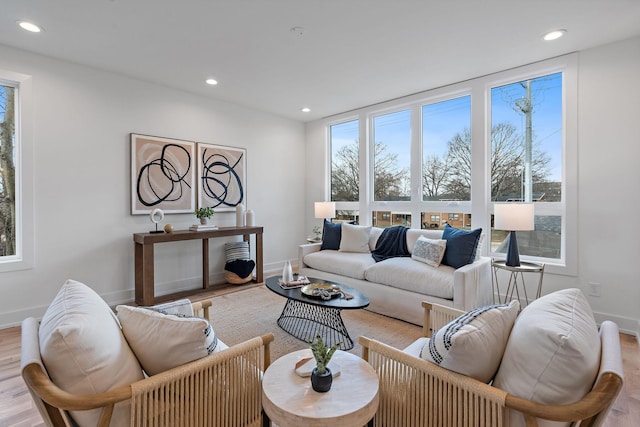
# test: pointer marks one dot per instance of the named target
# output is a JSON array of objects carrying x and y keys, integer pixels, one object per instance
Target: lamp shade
[
  {"x": 325, "y": 209},
  {"x": 513, "y": 216}
]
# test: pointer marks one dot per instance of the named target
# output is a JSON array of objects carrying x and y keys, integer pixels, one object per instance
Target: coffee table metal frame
[{"x": 306, "y": 317}]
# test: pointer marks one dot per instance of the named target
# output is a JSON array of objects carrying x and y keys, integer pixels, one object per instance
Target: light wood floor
[{"x": 17, "y": 409}]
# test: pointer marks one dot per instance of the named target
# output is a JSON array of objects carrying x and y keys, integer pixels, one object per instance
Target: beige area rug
[{"x": 242, "y": 315}]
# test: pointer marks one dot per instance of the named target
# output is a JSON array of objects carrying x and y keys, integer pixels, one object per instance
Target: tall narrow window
[
  {"x": 526, "y": 159},
  {"x": 392, "y": 156},
  {"x": 8, "y": 237},
  {"x": 345, "y": 168},
  {"x": 446, "y": 150}
]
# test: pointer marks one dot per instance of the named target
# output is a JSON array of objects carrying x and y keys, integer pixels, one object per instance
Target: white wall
[
  {"x": 83, "y": 226},
  {"x": 608, "y": 181}
]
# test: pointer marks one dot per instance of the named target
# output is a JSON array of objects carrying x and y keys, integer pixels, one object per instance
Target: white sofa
[{"x": 396, "y": 286}]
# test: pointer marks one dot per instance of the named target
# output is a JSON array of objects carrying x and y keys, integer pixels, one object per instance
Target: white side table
[
  {"x": 516, "y": 279},
  {"x": 289, "y": 400}
]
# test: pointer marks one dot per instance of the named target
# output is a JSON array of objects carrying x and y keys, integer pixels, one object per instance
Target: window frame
[
  {"x": 24, "y": 172},
  {"x": 480, "y": 207}
]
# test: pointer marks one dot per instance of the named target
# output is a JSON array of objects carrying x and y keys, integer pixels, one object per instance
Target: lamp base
[{"x": 513, "y": 256}]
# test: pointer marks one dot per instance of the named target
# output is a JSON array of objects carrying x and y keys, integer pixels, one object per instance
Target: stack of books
[
  {"x": 301, "y": 281},
  {"x": 203, "y": 227}
]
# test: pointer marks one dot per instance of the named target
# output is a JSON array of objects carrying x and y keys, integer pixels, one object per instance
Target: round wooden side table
[{"x": 289, "y": 400}]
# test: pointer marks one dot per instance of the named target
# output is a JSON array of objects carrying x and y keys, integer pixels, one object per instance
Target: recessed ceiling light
[
  {"x": 553, "y": 35},
  {"x": 29, "y": 26},
  {"x": 211, "y": 82},
  {"x": 305, "y": 109}
]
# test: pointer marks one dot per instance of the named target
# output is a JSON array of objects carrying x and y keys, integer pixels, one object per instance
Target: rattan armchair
[
  {"x": 223, "y": 389},
  {"x": 415, "y": 392}
]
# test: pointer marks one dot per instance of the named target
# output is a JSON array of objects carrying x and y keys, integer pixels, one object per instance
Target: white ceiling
[{"x": 350, "y": 53}]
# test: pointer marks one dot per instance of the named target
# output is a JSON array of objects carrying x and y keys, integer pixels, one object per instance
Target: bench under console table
[{"x": 144, "y": 255}]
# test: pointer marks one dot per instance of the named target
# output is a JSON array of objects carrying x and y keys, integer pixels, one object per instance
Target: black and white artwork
[{"x": 222, "y": 176}]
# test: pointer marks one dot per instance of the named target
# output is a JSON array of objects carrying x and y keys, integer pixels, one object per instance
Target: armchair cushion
[
  {"x": 180, "y": 307},
  {"x": 163, "y": 341},
  {"x": 84, "y": 351},
  {"x": 473, "y": 343},
  {"x": 553, "y": 353}
]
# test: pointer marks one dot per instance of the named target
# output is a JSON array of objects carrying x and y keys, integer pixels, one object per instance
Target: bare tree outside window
[
  {"x": 7, "y": 172},
  {"x": 345, "y": 167}
]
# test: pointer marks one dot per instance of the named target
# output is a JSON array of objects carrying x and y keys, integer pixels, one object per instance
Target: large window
[
  {"x": 446, "y": 150},
  {"x": 526, "y": 159},
  {"x": 16, "y": 172},
  {"x": 445, "y": 156},
  {"x": 345, "y": 168},
  {"x": 392, "y": 156},
  {"x": 8, "y": 245}
]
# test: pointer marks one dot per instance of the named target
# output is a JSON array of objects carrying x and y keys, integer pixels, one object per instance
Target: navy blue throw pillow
[
  {"x": 461, "y": 246},
  {"x": 331, "y": 235}
]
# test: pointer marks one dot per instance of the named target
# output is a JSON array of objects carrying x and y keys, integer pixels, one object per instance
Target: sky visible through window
[{"x": 443, "y": 120}]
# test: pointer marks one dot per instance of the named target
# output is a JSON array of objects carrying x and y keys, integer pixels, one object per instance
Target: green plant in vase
[
  {"x": 317, "y": 232},
  {"x": 204, "y": 214},
  {"x": 321, "y": 377}
]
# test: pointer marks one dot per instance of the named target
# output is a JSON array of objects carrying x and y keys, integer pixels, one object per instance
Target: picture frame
[
  {"x": 162, "y": 175},
  {"x": 222, "y": 176}
]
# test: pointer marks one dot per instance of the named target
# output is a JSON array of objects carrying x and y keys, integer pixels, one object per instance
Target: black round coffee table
[{"x": 306, "y": 317}]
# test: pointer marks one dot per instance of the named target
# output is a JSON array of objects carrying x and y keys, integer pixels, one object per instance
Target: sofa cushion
[
  {"x": 553, "y": 353},
  {"x": 331, "y": 235},
  {"x": 163, "y": 341},
  {"x": 429, "y": 251},
  {"x": 473, "y": 343},
  {"x": 462, "y": 246},
  {"x": 413, "y": 234},
  {"x": 85, "y": 351},
  {"x": 408, "y": 274},
  {"x": 350, "y": 264},
  {"x": 355, "y": 238}
]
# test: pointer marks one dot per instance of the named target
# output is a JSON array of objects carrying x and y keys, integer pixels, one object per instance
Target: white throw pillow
[
  {"x": 473, "y": 343},
  {"x": 164, "y": 341},
  {"x": 429, "y": 251},
  {"x": 355, "y": 238},
  {"x": 84, "y": 350},
  {"x": 553, "y": 353}
]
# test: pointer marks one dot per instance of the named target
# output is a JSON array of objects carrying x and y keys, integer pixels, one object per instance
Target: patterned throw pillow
[
  {"x": 473, "y": 343},
  {"x": 429, "y": 251},
  {"x": 163, "y": 341}
]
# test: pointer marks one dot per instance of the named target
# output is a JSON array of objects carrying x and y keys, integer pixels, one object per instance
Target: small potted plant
[
  {"x": 204, "y": 214},
  {"x": 321, "y": 377},
  {"x": 317, "y": 233}
]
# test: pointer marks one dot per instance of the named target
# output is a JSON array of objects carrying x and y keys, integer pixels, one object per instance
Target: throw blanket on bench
[{"x": 391, "y": 243}]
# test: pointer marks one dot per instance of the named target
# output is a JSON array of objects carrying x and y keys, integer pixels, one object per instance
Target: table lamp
[
  {"x": 325, "y": 210},
  {"x": 513, "y": 216}
]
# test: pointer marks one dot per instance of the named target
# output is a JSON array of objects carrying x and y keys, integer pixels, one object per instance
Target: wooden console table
[{"x": 144, "y": 255}]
